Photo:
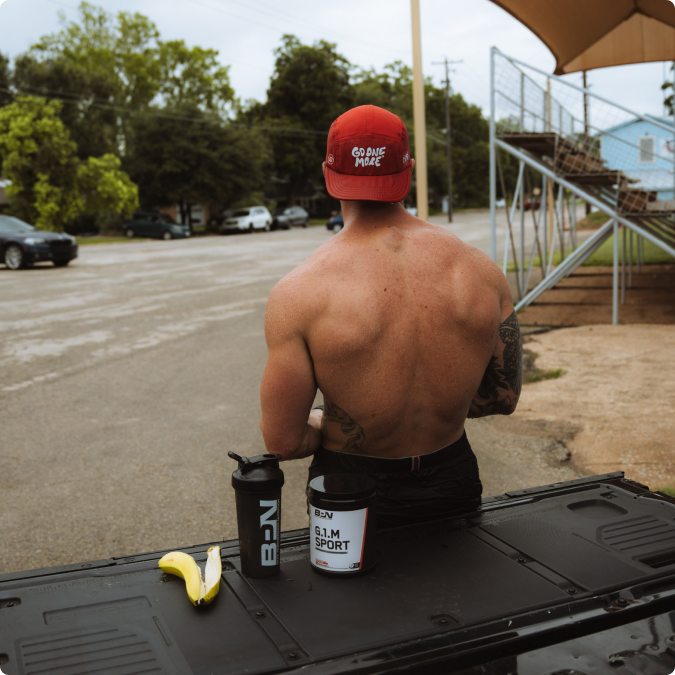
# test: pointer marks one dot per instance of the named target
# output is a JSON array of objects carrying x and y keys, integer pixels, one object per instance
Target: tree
[
  {"x": 309, "y": 89},
  {"x": 49, "y": 185},
  {"x": 186, "y": 160},
  {"x": 104, "y": 188},
  {"x": 5, "y": 81},
  {"x": 193, "y": 78},
  {"x": 86, "y": 97},
  {"x": 124, "y": 50},
  {"x": 110, "y": 68},
  {"x": 38, "y": 156}
]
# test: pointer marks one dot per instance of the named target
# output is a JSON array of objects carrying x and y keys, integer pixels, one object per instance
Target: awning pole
[
  {"x": 493, "y": 163},
  {"x": 615, "y": 276},
  {"x": 419, "y": 116}
]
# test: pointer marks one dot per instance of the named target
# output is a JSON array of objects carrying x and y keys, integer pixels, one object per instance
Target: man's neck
[{"x": 370, "y": 214}]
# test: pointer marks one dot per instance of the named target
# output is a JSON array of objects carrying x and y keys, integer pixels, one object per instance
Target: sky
[{"x": 370, "y": 33}]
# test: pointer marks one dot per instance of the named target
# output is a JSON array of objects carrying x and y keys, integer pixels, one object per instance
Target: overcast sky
[{"x": 370, "y": 33}]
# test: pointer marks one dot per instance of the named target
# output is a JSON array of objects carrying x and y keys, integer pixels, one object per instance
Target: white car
[{"x": 248, "y": 219}]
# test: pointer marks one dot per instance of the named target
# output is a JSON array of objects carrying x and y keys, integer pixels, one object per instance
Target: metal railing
[{"x": 571, "y": 143}]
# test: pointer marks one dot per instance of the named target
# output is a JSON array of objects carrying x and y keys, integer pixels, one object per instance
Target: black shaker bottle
[{"x": 257, "y": 484}]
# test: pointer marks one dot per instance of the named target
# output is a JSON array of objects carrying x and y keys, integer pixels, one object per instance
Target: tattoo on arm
[
  {"x": 351, "y": 429},
  {"x": 502, "y": 383}
]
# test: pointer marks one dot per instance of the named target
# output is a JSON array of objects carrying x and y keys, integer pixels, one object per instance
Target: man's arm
[
  {"x": 288, "y": 385},
  {"x": 500, "y": 387}
]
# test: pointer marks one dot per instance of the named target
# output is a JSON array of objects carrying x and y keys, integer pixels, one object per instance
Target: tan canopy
[{"x": 587, "y": 34}]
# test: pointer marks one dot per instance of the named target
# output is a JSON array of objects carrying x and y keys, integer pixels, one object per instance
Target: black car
[
  {"x": 154, "y": 224},
  {"x": 22, "y": 245},
  {"x": 286, "y": 218},
  {"x": 216, "y": 222},
  {"x": 335, "y": 224}
]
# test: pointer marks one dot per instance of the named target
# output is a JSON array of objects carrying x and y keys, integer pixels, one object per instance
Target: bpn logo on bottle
[{"x": 268, "y": 524}]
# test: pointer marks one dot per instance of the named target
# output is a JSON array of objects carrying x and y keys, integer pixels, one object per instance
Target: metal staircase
[{"x": 575, "y": 144}]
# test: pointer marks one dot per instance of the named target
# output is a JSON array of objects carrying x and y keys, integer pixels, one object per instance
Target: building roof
[{"x": 663, "y": 120}]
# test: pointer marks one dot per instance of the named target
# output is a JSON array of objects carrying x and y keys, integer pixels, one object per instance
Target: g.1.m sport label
[
  {"x": 342, "y": 524},
  {"x": 338, "y": 539},
  {"x": 257, "y": 484}
]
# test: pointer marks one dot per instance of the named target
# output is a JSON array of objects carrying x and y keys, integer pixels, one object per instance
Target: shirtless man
[{"x": 405, "y": 329}]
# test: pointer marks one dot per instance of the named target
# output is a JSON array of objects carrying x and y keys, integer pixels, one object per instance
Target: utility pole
[
  {"x": 448, "y": 136},
  {"x": 586, "y": 140},
  {"x": 419, "y": 115}
]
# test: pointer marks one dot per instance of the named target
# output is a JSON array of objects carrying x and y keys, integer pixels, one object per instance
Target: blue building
[{"x": 643, "y": 151}]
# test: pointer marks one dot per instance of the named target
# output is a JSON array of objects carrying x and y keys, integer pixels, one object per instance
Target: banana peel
[{"x": 200, "y": 591}]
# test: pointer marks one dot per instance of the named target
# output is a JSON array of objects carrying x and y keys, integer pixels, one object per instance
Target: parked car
[
  {"x": 154, "y": 225},
  {"x": 248, "y": 219},
  {"x": 531, "y": 204},
  {"x": 215, "y": 223},
  {"x": 21, "y": 245},
  {"x": 286, "y": 218},
  {"x": 335, "y": 224}
]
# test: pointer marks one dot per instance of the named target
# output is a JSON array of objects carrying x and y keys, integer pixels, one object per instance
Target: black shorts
[{"x": 413, "y": 489}]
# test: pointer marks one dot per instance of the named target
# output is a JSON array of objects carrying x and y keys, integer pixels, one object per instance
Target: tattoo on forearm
[
  {"x": 509, "y": 332},
  {"x": 498, "y": 378},
  {"x": 351, "y": 429}
]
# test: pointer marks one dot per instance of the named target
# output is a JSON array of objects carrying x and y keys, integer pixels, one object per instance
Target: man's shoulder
[{"x": 299, "y": 290}]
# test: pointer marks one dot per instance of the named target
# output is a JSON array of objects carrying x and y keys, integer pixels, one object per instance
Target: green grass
[
  {"x": 83, "y": 241},
  {"x": 593, "y": 221},
  {"x": 604, "y": 256},
  {"x": 538, "y": 375},
  {"x": 318, "y": 221},
  {"x": 670, "y": 491}
]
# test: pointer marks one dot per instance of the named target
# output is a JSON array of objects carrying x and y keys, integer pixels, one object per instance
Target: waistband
[{"x": 457, "y": 451}]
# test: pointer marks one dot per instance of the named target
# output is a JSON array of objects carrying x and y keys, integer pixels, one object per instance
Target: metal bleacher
[{"x": 575, "y": 145}]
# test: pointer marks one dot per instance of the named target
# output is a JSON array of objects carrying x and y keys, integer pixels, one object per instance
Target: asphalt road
[{"x": 125, "y": 379}]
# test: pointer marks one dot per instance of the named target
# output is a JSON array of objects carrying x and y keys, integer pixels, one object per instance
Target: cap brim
[{"x": 390, "y": 188}]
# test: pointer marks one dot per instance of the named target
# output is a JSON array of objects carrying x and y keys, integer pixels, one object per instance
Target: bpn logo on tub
[{"x": 323, "y": 514}]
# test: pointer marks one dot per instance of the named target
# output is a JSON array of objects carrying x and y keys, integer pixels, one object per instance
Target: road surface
[{"x": 125, "y": 379}]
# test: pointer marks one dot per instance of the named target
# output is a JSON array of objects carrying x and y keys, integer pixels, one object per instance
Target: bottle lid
[
  {"x": 341, "y": 487},
  {"x": 257, "y": 474}
]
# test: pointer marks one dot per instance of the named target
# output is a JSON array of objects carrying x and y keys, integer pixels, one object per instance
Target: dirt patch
[
  {"x": 515, "y": 453},
  {"x": 616, "y": 393},
  {"x": 585, "y": 298}
]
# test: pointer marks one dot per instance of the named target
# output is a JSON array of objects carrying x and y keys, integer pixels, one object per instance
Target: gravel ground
[{"x": 616, "y": 391}]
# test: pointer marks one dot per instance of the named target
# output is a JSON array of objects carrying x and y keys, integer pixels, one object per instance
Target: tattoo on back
[
  {"x": 498, "y": 378},
  {"x": 351, "y": 429}
]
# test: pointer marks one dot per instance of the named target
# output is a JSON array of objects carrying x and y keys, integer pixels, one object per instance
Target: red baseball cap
[{"x": 368, "y": 156}]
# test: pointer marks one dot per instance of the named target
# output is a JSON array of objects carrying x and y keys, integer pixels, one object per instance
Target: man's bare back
[{"x": 405, "y": 329}]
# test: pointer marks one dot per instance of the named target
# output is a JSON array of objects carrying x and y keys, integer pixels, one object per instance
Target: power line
[{"x": 287, "y": 131}]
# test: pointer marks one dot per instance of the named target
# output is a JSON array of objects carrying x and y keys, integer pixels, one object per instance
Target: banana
[{"x": 200, "y": 592}]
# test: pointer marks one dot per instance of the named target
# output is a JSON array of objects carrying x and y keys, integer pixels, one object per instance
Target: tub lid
[{"x": 341, "y": 487}]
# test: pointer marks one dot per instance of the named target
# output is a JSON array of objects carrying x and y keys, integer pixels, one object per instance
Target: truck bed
[{"x": 573, "y": 578}]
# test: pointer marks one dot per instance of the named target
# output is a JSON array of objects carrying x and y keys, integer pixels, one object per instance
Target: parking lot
[{"x": 125, "y": 379}]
